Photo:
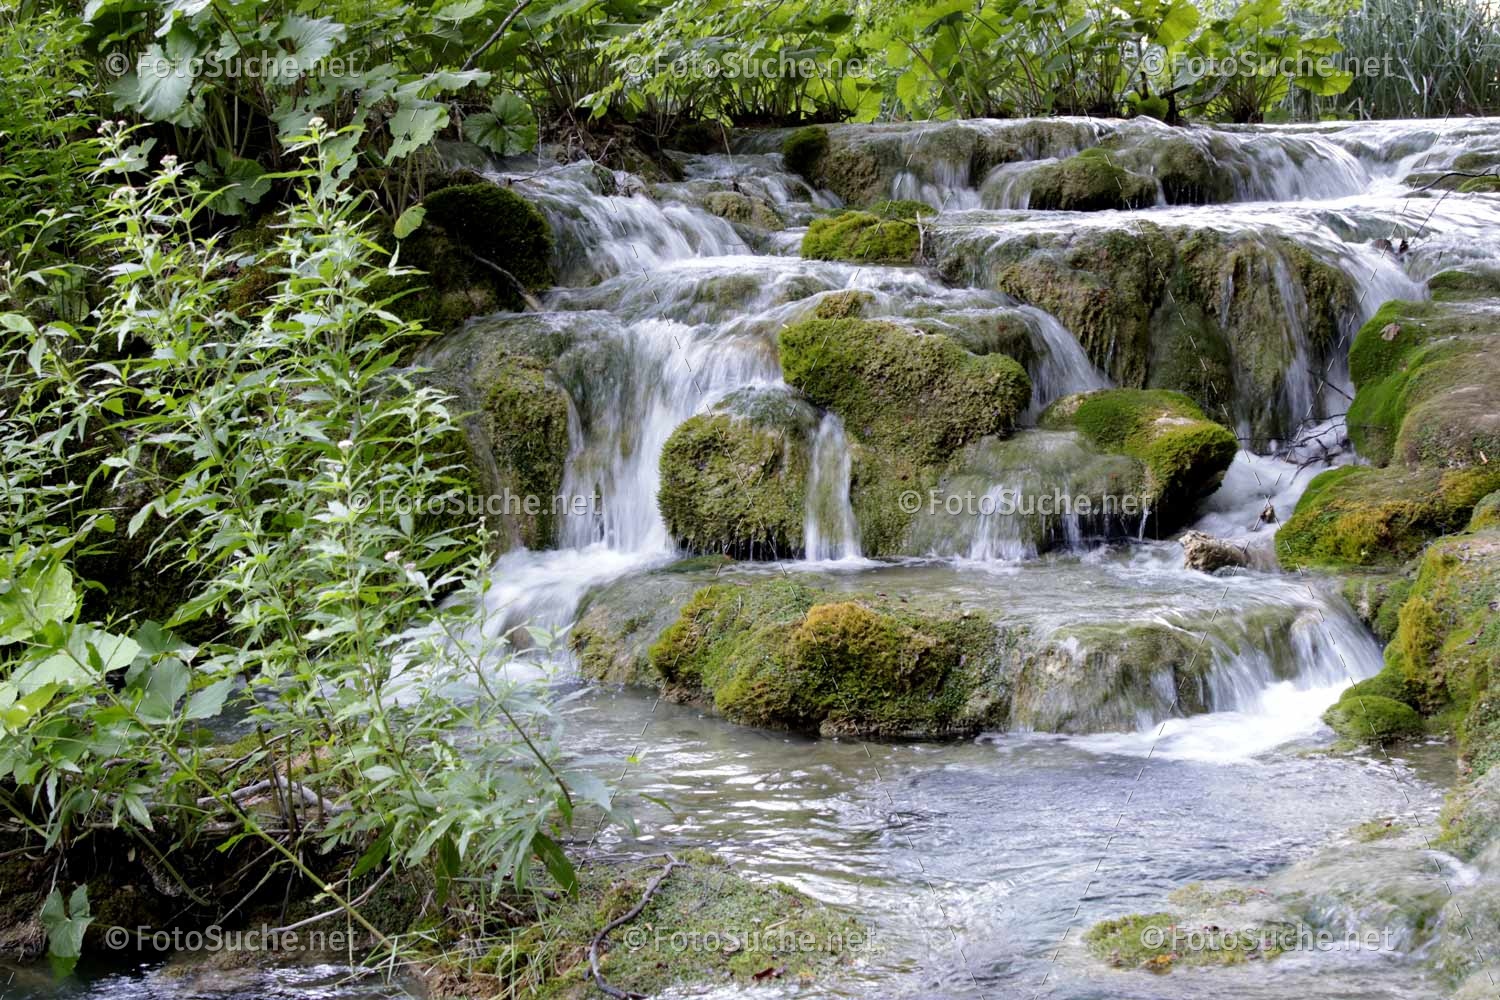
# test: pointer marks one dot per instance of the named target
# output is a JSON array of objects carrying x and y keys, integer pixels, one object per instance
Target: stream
[{"x": 978, "y": 865}]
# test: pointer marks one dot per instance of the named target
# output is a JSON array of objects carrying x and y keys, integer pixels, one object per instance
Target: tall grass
[{"x": 1443, "y": 58}]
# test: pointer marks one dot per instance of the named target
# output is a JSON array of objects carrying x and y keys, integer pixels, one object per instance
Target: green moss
[
  {"x": 901, "y": 208},
  {"x": 1428, "y": 383},
  {"x": 909, "y": 401},
  {"x": 1376, "y": 829},
  {"x": 1189, "y": 354},
  {"x": 494, "y": 222},
  {"x": 1480, "y": 185},
  {"x": 744, "y": 209},
  {"x": 863, "y": 238},
  {"x": 842, "y": 305},
  {"x": 803, "y": 149},
  {"x": 730, "y": 486},
  {"x": 1455, "y": 284},
  {"x": 923, "y": 394},
  {"x": 1091, "y": 181},
  {"x": 1185, "y": 454},
  {"x": 1357, "y": 516},
  {"x": 776, "y": 654},
  {"x": 705, "y": 925},
  {"x": 1157, "y": 942},
  {"x": 526, "y": 420},
  {"x": 1390, "y": 684},
  {"x": 1377, "y": 599},
  {"x": 1486, "y": 513},
  {"x": 1372, "y": 719}
]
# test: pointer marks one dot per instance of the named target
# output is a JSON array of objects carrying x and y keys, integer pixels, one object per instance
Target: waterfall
[
  {"x": 1062, "y": 366},
  {"x": 829, "y": 530}
]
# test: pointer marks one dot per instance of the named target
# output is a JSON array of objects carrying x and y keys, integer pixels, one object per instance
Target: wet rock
[
  {"x": 1427, "y": 376},
  {"x": 1369, "y": 718},
  {"x": 1091, "y": 181},
  {"x": 734, "y": 481},
  {"x": 743, "y": 209},
  {"x": 862, "y": 238},
  {"x": 1185, "y": 454},
  {"x": 1206, "y": 553},
  {"x": 1356, "y": 516}
]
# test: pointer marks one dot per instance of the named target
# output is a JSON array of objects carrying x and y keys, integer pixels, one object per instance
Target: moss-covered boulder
[
  {"x": 1241, "y": 322},
  {"x": 1090, "y": 181},
  {"x": 746, "y": 210},
  {"x": 862, "y": 238},
  {"x": 897, "y": 386},
  {"x": 1377, "y": 598},
  {"x": 734, "y": 481},
  {"x": 780, "y": 655},
  {"x": 1184, "y": 453},
  {"x": 1370, "y": 718},
  {"x": 1356, "y": 516},
  {"x": 483, "y": 248},
  {"x": 1486, "y": 513},
  {"x": 803, "y": 149},
  {"x": 514, "y": 415},
  {"x": 1186, "y": 172},
  {"x": 909, "y": 402},
  {"x": 1447, "y": 645},
  {"x": 1427, "y": 376}
]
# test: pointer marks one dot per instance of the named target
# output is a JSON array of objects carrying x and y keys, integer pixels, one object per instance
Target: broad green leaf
[
  {"x": 414, "y": 127},
  {"x": 410, "y": 221},
  {"x": 206, "y": 703},
  {"x": 508, "y": 128}
]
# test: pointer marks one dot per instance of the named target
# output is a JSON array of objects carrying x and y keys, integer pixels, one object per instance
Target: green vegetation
[
  {"x": 1369, "y": 718},
  {"x": 779, "y": 654},
  {"x": 1357, "y": 516},
  {"x": 802, "y": 150},
  {"x": 1427, "y": 376},
  {"x": 1158, "y": 942},
  {"x": 1184, "y": 453},
  {"x": 1088, "y": 182},
  {"x": 736, "y": 482},
  {"x": 862, "y": 238}
]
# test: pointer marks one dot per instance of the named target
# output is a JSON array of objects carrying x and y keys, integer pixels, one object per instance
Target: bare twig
[
  {"x": 495, "y": 35},
  {"x": 625, "y": 918}
]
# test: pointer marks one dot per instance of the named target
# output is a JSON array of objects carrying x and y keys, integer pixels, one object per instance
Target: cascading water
[
  {"x": 1062, "y": 367},
  {"x": 829, "y": 531}
]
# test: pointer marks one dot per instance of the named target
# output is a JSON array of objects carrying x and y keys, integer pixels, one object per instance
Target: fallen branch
[
  {"x": 625, "y": 918},
  {"x": 530, "y": 299},
  {"x": 307, "y": 795},
  {"x": 495, "y": 35}
]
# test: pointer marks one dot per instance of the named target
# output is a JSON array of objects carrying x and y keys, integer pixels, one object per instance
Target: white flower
[
  {"x": 392, "y": 556},
  {"x": 345, "y": 444},
  {"x": 169, "y": 161},
  {"x": 316, "y": 121}
]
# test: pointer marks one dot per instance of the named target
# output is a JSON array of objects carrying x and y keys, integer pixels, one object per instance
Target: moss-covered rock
[
  {"x": 1090, "y": 181},
  {"x": 1377, "y": 598},
  {"x": 893, "y": 385},
  {"x": 514, "y": 415},
  {"x": 735, "y": 481},
  {"x": 1427, "y": 376},
  {"x": 1486, "y": 513},
  {"x": 1185, "y": 454},
  {"x": 1447, "y": 646},
  {"x": 743, "y": 209},
  {"x": 862, "y": 238},
  {"x": 1187, "y": 174},
  {"x": 482, "y": 248},
  {"x": 1356, "y": 516},
  {"x": 1234, "y": 320},
  {"x": 1370, "y": 718},
  {"x": 909, "y": 402},
  {"x": 842, "y": 305},
  {"x": 803, "y": 149},
  {"x": 778, "y": 654}
]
